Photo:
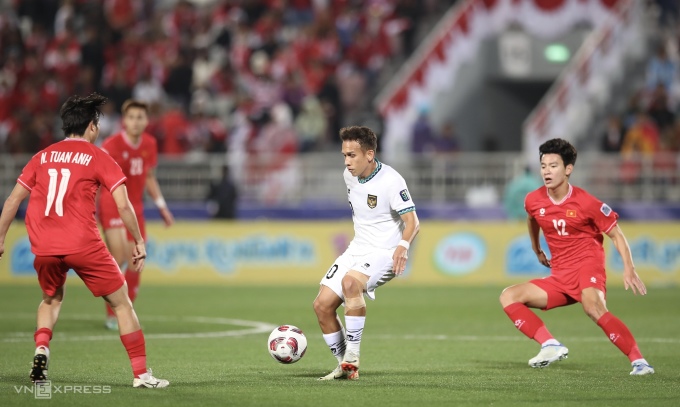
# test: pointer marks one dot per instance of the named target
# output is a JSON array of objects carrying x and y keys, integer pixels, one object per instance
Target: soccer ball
[{"x": 287, "y": 344}]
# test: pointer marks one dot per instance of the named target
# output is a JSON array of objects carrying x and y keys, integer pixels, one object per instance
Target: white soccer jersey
[{"x": 377, "y": 202}]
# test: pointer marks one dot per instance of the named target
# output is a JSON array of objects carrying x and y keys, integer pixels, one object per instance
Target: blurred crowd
[
  {"x": 647, "y": 132},
  {"x": 650, "y": 125},
  {"x": 219, "y": 75},
  {"x": 651, "y": 120}
]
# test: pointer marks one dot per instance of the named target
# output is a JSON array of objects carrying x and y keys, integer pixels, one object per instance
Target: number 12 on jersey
[
  {"x": 52, "y": 190},
  {"x": 561, "y": 223}
]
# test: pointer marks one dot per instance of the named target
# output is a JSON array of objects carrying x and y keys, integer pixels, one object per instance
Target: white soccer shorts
[{"x": 377, "y": 265}]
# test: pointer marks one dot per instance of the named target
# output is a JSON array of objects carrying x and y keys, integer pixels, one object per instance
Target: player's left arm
[
  {"x": 411, "y": 229},
  {"x": 630, "y": 276},
  {"x": 9, "y": 211},
  {"x": 157, "y": 196}
]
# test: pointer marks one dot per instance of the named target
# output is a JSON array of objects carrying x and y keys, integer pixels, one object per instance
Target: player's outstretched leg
[
  {"x": 353, "y": 285},
  {"x": 619, "y": 334},
  {"x": 48, "y": 313},
  {"x": 326, "y": 304},
  {"x": 531, "y": 325},
  {"x": 116, "y": 242},
  {"x": 337, "y": 343},
  {"x": 350, "y": 362},
  {"x": 132, "y": 280},
  {"x": 133, "y": 340},
  {"x": 514, "y": 300}
]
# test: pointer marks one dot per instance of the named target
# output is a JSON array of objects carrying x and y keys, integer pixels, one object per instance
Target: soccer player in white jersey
[{"x": 385, "y": 224}]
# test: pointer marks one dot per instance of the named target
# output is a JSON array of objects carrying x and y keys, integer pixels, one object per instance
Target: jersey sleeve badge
[
  {"x": 606, "y": 209},
  {"x": 404, "y": 195}
]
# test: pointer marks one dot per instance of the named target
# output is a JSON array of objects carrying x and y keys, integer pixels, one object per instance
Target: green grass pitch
[{"x": 422, "y": 346}]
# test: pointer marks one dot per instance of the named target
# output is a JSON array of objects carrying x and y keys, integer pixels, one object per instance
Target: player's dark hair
[
  {"x": 134, "y": 104},
  {"x": 561, "y": 147},
  {"x": 77, "y": 113},
  {"x": 361, "y": 134}
]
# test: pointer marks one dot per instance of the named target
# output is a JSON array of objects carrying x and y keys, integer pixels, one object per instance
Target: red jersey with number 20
[
  {"x": 572, "y": 228},
  {"x": 135, "y": 160},
  {"x": 63, "y": 180}
]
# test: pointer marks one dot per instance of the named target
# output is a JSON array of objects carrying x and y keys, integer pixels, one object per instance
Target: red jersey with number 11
[
  {"x": 63, "y": 180},
  {"x": 572, "y": 228}
]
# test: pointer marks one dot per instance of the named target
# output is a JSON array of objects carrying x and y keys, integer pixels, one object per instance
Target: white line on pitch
[{"x": 255, "y": 327}]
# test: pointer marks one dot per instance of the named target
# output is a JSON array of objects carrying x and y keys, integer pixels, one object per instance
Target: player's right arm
[
  {"x": 534, "y": 231},
  {"x": 127, "y": 214},
  {"x": 9, "y": 211}
]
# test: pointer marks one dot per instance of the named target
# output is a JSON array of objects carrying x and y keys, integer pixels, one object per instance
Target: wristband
[
  {"x": 160, "y": 203},
  {"x": 404, "y": 244}
]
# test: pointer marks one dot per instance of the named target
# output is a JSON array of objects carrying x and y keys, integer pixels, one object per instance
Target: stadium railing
[{"x": 439, "y": 179}]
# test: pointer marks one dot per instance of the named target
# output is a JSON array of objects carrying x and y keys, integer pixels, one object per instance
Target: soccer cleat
[
  {"x": 350, "y": 365},
  {"x": 641, "y": 369},
  {"x": 111, "y": 323},
  {"x": 148, "y": 381},
  {"x": 336, "y": 374},
  {"x": 41, "y": 360},
  {"x": 548, "y": 355}
]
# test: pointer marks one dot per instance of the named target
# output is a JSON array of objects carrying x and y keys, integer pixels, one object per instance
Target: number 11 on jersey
[{"x": 52, "y": 190}]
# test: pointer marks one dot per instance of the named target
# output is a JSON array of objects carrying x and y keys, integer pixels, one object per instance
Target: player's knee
[
  {"x": 354, "y": 283},
  {"x": 593, "y": 304},
  {"x": 594, "y": 309},
  {"x": 508, "y": 296},
  {"x": 350, "y": 286},
  {"x": 119, "y": 299},
  {"x": 52, "y": 301},
  {"x": 318, "y": 306},
  {"x": 322, "y": 307},
  {"x": 56, "y": 298}
]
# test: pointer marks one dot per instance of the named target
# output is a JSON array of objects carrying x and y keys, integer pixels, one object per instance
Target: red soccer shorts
[
  {"x": 564, "y": 288},
  {"x": 110, "y": 219},
  {"x": 95, "y": 266}
]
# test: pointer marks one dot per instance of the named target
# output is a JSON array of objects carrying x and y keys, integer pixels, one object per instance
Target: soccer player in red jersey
[
  {"x": 572, "y": 222},
  {"x": 63, "y": 180},
  {"x": 136, "y": 153}
]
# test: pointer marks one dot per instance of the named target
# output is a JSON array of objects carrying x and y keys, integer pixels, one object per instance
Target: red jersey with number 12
[
  {"x": 63, "y": 180},
  {"x": 135, "y": 160},
  {"x": 572, "y": 228}
]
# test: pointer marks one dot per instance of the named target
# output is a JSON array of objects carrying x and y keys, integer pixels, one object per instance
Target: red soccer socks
[{"x": 136, "y": 349}]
